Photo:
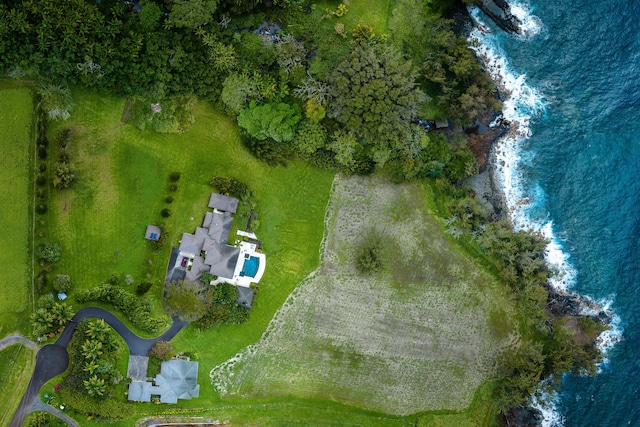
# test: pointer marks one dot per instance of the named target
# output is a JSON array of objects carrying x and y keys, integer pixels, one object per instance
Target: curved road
[{"x": 53, "y": 359}]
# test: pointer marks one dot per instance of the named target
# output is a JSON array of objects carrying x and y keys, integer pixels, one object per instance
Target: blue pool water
[
  {"x": 250, "y": 267},
  {"x": 575, "y": 81}
]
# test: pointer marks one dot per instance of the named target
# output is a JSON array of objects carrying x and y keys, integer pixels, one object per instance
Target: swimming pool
[{"x": 250, "y": 267}]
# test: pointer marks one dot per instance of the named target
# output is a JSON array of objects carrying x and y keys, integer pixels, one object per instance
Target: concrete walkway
[
  {"x": 53, "y": 359},
  {"x": 16, "y": 339}
]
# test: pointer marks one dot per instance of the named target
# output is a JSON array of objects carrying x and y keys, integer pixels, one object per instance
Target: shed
[{"x": 153, "y": 233}]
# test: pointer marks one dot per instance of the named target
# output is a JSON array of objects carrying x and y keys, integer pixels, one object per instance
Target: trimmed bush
[
  {"x": 41, "y": 208},
  {"x": 169, "y": 199},
  {"x": 62, "y": 283},
  {"x": 49, "y": 252},
  {"x": 166, "y": 213},
  {"x": 173, "y": 187},
  {"x": 143, "y": 288},
  {"x": 175, "y": 176},
  {"x": 230, "y": 186},
  {"x": 137, "y": 310}
]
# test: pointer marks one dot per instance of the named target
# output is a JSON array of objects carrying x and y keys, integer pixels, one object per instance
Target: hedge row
[{"x": 137, "y": 310}]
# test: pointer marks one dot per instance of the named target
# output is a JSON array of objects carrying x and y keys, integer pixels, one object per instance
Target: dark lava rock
[{"x": 500, "y": 12}]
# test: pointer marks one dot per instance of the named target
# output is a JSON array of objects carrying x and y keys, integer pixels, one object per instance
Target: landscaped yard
[
  {"x": 415, "y": 337},
  {"x": 16, "y": 130}
]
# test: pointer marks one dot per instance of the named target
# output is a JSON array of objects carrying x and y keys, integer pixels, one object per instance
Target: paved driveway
[{"x": 53, "y": 359}]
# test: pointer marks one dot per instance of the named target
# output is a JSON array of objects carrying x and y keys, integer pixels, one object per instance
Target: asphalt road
[{"x": 53, "y": 359}]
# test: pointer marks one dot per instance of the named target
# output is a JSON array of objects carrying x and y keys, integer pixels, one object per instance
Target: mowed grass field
[
  {"x": 415, "y": 337},
  {"x": 16, "y": 364},
  {"x": 16, "y": 131},
  {"x": 123, "y": 181}
]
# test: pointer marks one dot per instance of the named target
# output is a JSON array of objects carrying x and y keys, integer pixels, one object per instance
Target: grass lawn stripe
[{"x": 15, "y": 139}]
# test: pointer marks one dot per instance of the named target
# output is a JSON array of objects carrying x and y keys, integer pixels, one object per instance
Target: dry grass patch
[{"x": 414, "y": 336}]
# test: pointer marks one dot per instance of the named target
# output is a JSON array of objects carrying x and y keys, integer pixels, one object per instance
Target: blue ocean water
[{"x": 578, "y": 164}]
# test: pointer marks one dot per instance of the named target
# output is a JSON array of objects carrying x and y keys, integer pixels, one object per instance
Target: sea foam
[{"x": 523, "y": 103}]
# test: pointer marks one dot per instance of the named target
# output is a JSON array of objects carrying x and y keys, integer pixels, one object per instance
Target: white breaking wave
[
  {"x": 522, "y": 103},
  {"x": 531, "y": 24}
]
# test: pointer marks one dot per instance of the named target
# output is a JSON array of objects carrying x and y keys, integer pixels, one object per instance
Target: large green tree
[
  {"x": 277, "y": 121},
  {"x": 374, "y": 95},
  {"x": 191, "y": 14}
]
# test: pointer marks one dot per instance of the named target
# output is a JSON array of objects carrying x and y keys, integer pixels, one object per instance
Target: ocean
[{"x": 570, "y": 169}]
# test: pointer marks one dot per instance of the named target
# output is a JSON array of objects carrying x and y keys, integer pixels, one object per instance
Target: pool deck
[{"x": 249, "y": 249}]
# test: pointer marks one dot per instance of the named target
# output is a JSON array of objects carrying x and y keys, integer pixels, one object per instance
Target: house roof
[
  {"x": 153, "y": 232},
  {"x": 223, "y": 203},
  {"x": 245, "y": 296},
  {"x": 206, "y": 222},
  {"x": 178, "y": 380},
  {"x": 191, "y": 244},
  {"x": 223, "y": 260},
  {"x": 197, "y": 268},
  {"x": 220, "y": 227}
]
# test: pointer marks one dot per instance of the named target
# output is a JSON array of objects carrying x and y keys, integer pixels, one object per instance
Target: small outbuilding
[{"x": 153, "y": 233}]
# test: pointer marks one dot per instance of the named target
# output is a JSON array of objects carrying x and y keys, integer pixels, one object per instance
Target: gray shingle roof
[
  {"x": 191, "y": 244},
  {"x": 223, "y": 260},
  {"x": 245, "y": 296},
  {"x": 223, "y": 203},
  {"x": 197, "y": 268},
  {"x": 220, "y": 227},
  {"x": 178, "y": 380}
]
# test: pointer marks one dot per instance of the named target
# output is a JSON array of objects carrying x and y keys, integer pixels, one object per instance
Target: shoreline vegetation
[{"x": 330, "y": 85}]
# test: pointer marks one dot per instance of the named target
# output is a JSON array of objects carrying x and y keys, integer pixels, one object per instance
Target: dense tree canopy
[{"x": 374, "y": 95}]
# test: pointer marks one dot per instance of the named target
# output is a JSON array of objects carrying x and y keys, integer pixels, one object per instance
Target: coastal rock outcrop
[
  {"x": 500, "y": 12},
  {"x": 562, "y": 303}
]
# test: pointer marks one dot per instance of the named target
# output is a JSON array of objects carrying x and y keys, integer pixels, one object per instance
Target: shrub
[
  {"x": 173, "y": 187},
  {"x": 137, "y": 310},
  {"x": 62, "y": 283},
  {"x": 42, "y": 140},
  {"x": 49, "y": 252},
  {"x": 42, "y": 167},
  {"x": 41, "y": 208},
  {"x": 175, "y": 176},
  {"x": 369, "y": 255},
  {"x": 114, "y": 279},
  {"x": 166, "y": 213},
  {"x": 41, "y": 180},
  {"x": 162, "y": 350},
  {"x": 143, "y": 288},
  {"x": 230, "y": 186},
  {"x": 41, "y": 282},
  {"x": 169, "y": 199},
  {"x": 42, "y": 152},
  {"x": 224, "y": 309},
  {"x": 65, "y": 175}
]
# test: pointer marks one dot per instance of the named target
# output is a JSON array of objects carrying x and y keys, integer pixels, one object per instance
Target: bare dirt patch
[{"x": 413, "y": 337}]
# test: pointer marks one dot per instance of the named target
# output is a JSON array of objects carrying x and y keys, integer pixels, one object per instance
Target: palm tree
[
  {"x": 91, "y": 349},
  {"x": 91, "y": 367},
  {"x": 96, "y": 329},
  {"x": 61, "y": 313},
  {"x": 42, "y": 321},
  {"x": 95, "y": 386}
]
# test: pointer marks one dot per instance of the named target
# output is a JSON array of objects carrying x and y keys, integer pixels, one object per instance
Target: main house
[{"x": 208, "y": 251}]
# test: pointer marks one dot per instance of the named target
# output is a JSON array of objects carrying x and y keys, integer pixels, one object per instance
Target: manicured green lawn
[
  {"x": 16, "y": 131},
  {"x": 123, "y": 181},
  {"x": 16, "y": 365}
]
